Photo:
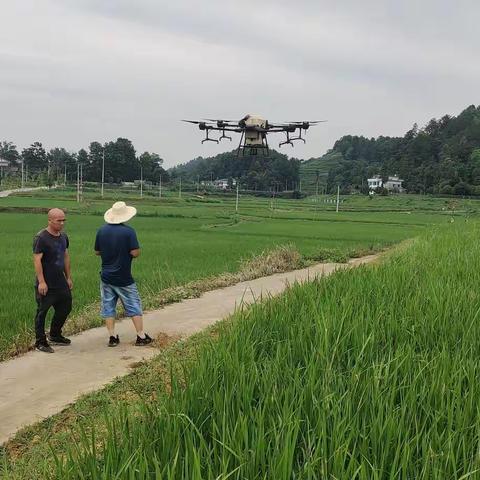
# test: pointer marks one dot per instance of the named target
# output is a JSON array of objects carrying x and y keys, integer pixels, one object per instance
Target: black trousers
[{"x": 61, "y": 301}]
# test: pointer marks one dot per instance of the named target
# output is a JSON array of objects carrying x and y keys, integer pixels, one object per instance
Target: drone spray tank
[{"x": 254, "y": 128}]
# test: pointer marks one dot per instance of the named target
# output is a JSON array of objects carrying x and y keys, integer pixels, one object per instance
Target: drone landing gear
[
  {"x": 252, "y": 149},
  {"x": 240, "y": 145},
  {"x": 225, "y": 136},
  {"x": 299, "y": 137},
  {"x": 208, "y": 139},
  {"x": 290, "y": 141},
  {"x": 287, "y": 141}
]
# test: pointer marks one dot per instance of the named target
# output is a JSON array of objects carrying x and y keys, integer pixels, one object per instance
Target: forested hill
[
  {"x": 442, "y": 157},
  {"x": 255, "y": 172}
]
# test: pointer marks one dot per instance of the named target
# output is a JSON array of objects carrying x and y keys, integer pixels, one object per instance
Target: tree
[
  {"x": 475, "y": 164},
  {"x": 82, "y": 160},
  {"x": 58, "y": 160},
  {"x": 95, "y": 160},
  {"x": 120, "y": 161},
  {"x": 35, "y": 157},
  {"x": 8, "y": 151},
  {"x": 152, "y": 166}
]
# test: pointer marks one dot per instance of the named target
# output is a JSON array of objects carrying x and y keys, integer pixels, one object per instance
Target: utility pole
[
  {"x": 180, "y": 188},
  {"x": 81, "y": 181},
  {"x": 272, "y": 202},
  {"x": 78, "y": 182},
  {"x": 236, "y": 203},
  {"x": 65, "y": 175},
  {"x": 338, "y": 196},
  {"x": 160, "y": 187},
  {"x": 141, "y": 180},
  {"x": 23, "y": 174},
  {"x": 198, "y": 182},
  {"x": 103, "y": 168}
]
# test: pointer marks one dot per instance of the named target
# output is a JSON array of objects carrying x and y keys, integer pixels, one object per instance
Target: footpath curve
[
  {"x": 37, "y": 385},
  {"x": 6, "y": 193}
]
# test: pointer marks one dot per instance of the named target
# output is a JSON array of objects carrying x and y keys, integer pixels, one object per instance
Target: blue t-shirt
[{"x": 114, "y": 242}]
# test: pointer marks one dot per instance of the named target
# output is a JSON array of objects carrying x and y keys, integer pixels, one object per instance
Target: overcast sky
[{"x": 74, "y": 71}]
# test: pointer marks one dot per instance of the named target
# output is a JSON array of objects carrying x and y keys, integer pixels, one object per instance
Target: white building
[
  {"x": 375, "y": 182},
  {"x": 222, "y": 183},
  {"x": 6, "y": 166},
  {"x": 393, "y": 184}
]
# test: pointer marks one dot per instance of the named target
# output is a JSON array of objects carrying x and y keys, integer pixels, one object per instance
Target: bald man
[{"x": 53, "y": 281}]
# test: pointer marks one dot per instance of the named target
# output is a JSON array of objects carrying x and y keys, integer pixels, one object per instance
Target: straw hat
[{"x": 119, "y": 213}]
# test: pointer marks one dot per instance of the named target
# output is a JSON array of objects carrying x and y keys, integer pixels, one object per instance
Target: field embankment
[{"x": 371, "y": 373}]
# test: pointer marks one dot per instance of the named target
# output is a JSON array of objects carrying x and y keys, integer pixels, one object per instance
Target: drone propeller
[
  {"x": 310, "y": 121},
  {"x": 222, "y": 123},
  {"x": 198, "y": 122},
  {"x": 220, "y": 120},
  {"x": 303, "y": 125}
]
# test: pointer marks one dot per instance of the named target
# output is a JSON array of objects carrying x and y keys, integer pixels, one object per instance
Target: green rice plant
[
  {"x": 181, "y": 243},
  {"x": 368, "y": 374}
]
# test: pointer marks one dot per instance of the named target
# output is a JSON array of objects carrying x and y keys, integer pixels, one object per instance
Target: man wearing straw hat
[{"x": 117, "y": 244}]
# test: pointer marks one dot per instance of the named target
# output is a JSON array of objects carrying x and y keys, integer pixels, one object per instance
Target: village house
[
  {"x": 220, "y": 184},
  {"x": 7, "y": 167},
  {"x": 393, "y": 184}
]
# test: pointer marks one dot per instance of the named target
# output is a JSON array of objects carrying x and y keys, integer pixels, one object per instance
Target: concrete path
[
  {"x": 6, "y": 193},
  {"x": 37, "y": 385}
]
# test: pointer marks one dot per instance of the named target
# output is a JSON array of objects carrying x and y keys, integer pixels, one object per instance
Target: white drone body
[{"x": 253, "y": 137}]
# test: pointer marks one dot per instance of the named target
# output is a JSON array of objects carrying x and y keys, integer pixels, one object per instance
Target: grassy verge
[
  {"x": 367, "y": 374},
  {"x": 30, "y": 454}
]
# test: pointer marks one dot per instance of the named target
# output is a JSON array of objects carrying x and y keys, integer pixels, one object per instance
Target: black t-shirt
[
  {"x": 53, "y": 260},
  {"x": 114, "y": 242}
]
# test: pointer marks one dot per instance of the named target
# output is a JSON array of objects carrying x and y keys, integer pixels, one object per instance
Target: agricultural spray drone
[{"x": 254, "y": 131}]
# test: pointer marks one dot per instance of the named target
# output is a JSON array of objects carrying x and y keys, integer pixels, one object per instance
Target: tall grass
[{"x": 369, "y": 374}]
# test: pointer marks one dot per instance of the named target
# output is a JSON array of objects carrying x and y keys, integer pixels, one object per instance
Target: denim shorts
[{"x": 128, "y": 296}]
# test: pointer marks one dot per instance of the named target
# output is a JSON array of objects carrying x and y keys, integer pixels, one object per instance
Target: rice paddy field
[
  {"x": 193, "y": 237},
  {"x": 196, "y": 237},
  {"x": 367, "y": 374}
]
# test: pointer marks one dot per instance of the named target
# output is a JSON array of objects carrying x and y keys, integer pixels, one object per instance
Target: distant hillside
[
  {"x": 255, "y": 172},
  {"x": 442, "y": 157},
  {"x": 314, "y": 172}
]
